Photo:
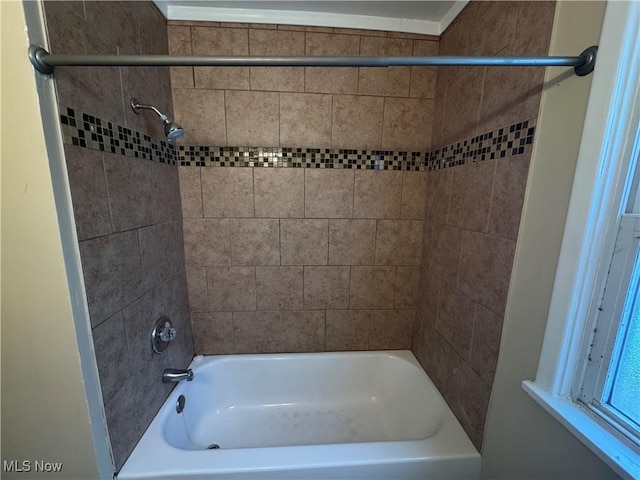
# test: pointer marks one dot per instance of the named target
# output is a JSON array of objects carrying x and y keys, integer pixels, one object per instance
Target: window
[
  {"x": 589, "y": 370},
  {"x": 609, "y": 384}
]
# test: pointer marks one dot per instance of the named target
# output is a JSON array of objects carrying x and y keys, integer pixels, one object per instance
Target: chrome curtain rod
[{"x": 45, "y": 62}]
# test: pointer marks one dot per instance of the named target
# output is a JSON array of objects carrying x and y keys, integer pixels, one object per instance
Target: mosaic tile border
[
  {"x": 94, "y": 133},
  {"x": 91, "y": 132}
]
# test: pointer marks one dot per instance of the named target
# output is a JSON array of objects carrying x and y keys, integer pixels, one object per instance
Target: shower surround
[
  {"x": 473, "y": 210},
  {"x": 127, "y": 210},
  {"x": 313, "y": 208},
  {"x": 302, "y": 259}
]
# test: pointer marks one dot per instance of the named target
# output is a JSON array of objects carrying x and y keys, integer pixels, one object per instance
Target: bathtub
[{"x": 346, "y": 415}]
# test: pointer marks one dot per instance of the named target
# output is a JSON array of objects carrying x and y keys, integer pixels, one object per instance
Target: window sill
[{"x": 615, "y": 453}]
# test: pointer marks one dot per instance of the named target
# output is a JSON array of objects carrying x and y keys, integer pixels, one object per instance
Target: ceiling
[{"x": 426, "y": 17}]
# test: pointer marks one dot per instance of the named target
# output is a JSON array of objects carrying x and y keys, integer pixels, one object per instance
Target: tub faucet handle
[{"x": 167, "y": 334}]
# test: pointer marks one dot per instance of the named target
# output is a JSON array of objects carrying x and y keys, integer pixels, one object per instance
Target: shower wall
[
  {"x": 301, "y": 259},
  {"x": 473, "y": 209},
  {"x": 127, "y": 210}
]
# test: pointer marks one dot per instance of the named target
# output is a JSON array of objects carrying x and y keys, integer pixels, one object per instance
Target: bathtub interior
[{"x": 274, "y": 400}]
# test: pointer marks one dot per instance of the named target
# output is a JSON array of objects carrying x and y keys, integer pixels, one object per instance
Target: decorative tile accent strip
[
  {"x": 513, "y": 140},
  {"x": 91, "y": 132}
]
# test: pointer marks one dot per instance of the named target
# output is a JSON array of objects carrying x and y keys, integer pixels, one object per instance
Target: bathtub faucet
[{"x": 176, "y": 375}]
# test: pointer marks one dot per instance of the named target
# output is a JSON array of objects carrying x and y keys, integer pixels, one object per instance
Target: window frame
[
  {"x": 606, "y": 149},
  {"x": 607, "y": 310}
]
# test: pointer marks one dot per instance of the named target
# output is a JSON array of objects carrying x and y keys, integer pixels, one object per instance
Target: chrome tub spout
[{"x": 176, "y": 375}]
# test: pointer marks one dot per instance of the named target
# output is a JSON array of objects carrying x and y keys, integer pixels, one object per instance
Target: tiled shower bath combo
[{"x": 305, "y": 209}]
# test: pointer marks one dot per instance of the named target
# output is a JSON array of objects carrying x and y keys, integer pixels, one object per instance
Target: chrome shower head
[{"x": 171, "y": 129}]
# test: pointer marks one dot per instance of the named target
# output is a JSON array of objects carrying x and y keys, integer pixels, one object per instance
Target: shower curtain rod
[{"x": 45, "y": 62}]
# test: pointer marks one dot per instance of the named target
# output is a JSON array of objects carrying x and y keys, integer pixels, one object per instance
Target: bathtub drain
[{"x": 213, "y": 446}]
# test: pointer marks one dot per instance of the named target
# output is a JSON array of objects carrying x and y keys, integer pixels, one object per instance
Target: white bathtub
[{"x": 355, "y": 415}]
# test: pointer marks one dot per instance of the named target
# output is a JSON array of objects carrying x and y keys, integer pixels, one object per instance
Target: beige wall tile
[
  {"x": 162, "y": 252},
  {"x": 276, "y": 43},
  {"x": 179, "y": 39},
  {"x": 378, "y": 194},
  {"x": 485, "y": 269},
  {"x": 455, "y": 320},
  {"x": 279, "y": 192},
  {"x": 342, "y": 80},
  {"x": 487, "y": 330},
  {"x": 414, "y": 190},
  {"x": 231, "y": 289},
  {"x": 347, "y": 330},
  {"x": 508, "y": 195},
  {"x": 206, "y": 241},
  {"x": 220, "y": 41},
  {"x": 439, "y": 104},
  {"x": 222, "y": 78},
  {"x": 490, "y": 41},
  {"x": 328, "y": 193},
  {"x": 263, "y": 26},
  {"x": 305, "y": 120},
  {"x": 429, "y": 287},
  {"x": 331, "y": 80},
  {"x": 190, "y": 191},
  {"x": 444, "y": 255},
  {"x": 372, "y": 287},
  {"x": 201, "y": 113},
  {"x": 304, "y": 242},
  {"x": 471, "y": 189},
  {"x": 438, "y": 195},
  {"x": 423, "y": 82},
  {"x": 112, "y": 273},
  {"x": 462, "y": 107},
  {"x": 533, "y": 28},
  {"x": 279, "y": 288},
  {"x": 213, "y": 333},
  {"x": 197, "y": 288},
  {"x": 358, "y": 31},
  {"x": 423, "y": 79},
  {"x": 277, "y": 79},
  {"x": 253, "y": 118},
  {"x": 331, "y": 44},
  {"x": 509, "y": 96},
  {"x": 388, "y": 82},
  {"x": 399, "y": 242},
  {"x": 352, "y": 242},
  {"x": 112, "y": 358},
  {"x": 407, "y": 279},
  {"x": 227, "y": 192},
  {"x": 88, "y": 191},
  {"x": 255, "y": 241},
  {"x": 413, "y": 36},
  {"x": 390, "y": 329},
  {"x": 357, "y": 122},
  {"x": 407, "y": 124},
  {"x": 326, "y": 287},
  {"x": 295, "y": 331},
  {"x": 129, "y": 180},
  {"x": 468, "y": 396}
]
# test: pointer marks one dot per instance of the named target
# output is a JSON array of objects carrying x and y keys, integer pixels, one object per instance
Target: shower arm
[
  {"x": 45, "y": 62},
  {"x": 136, "y": 106}
]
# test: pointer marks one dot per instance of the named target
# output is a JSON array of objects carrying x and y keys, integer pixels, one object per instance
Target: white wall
[
  {"x": 521, "y": 440},
  {"x": 45, "y": 407}
]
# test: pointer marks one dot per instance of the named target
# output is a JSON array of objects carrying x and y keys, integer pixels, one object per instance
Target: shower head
[{"x": 171, "y": 129}]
